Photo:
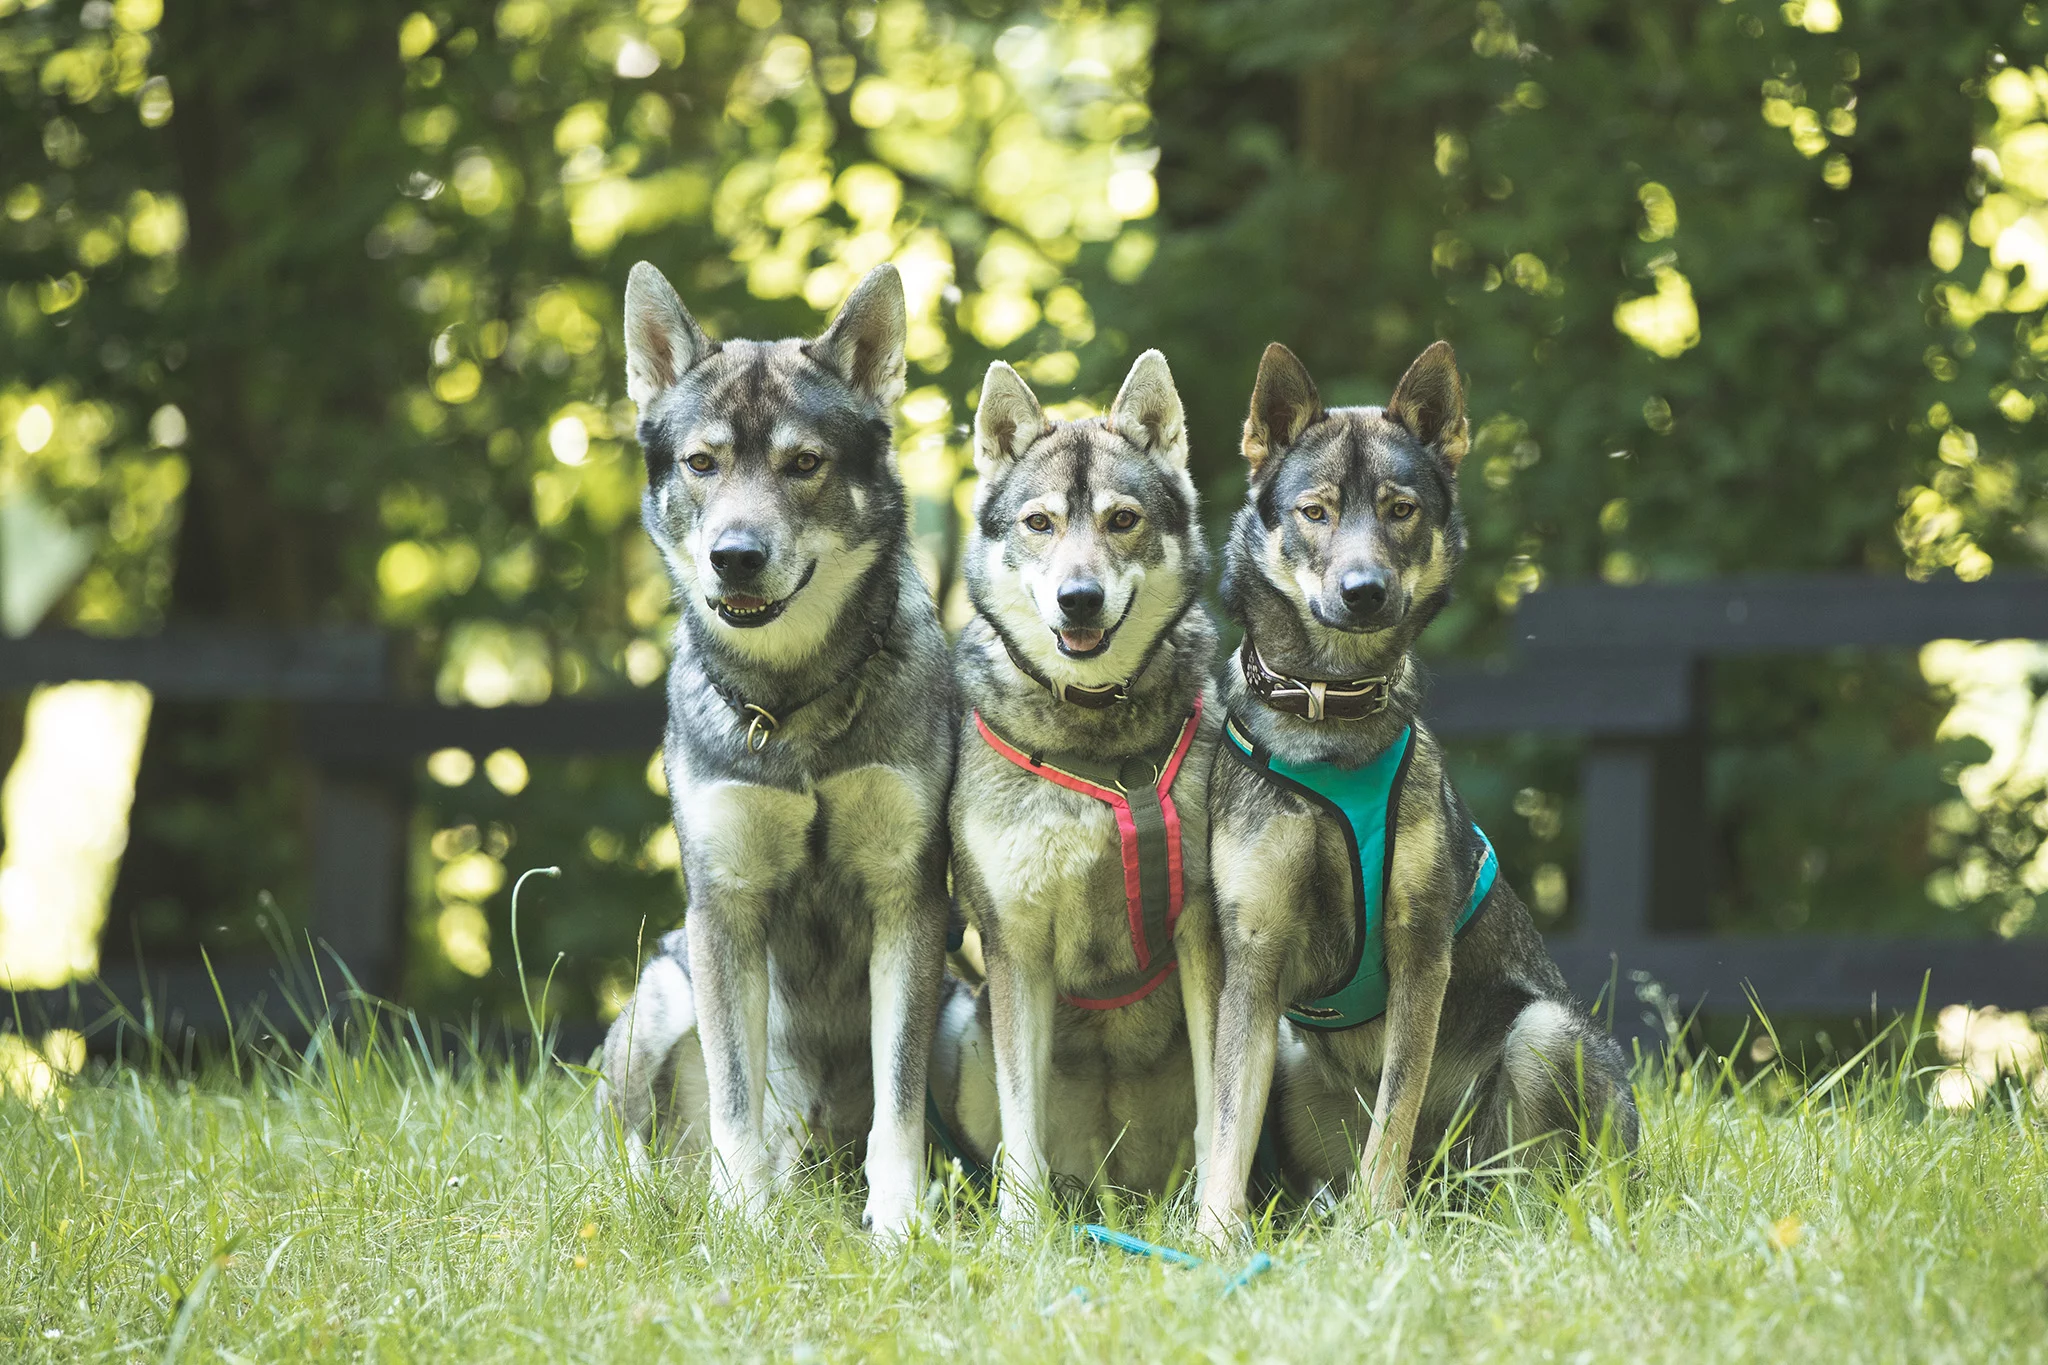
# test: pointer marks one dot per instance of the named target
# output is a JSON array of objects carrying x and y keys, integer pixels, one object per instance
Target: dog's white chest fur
[
  {"x": 1048, "y": 854},
  {"x": 758, "y": 837}
]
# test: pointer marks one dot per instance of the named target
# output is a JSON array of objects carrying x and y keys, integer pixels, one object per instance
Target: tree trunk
[{"x": 286, "y": 152}]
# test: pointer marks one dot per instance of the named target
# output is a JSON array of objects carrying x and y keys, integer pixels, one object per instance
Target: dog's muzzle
[{"x": 745, "y": 610}]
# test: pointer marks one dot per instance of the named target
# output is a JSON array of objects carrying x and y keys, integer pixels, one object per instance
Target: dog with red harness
[{"x": 1079, "y": 813}]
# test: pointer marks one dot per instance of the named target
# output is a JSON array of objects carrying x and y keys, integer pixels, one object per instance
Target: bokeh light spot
[
  {"x": 506, "y": 771},
  {"x": 451, "y": 767}
]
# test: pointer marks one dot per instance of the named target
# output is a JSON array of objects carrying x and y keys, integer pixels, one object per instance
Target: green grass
[{"x": 366, "y": 1204}]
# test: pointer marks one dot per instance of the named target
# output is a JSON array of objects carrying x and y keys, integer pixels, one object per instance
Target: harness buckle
[
  {"x": 1127, "y": 787},
  {"x": 760, "y": 729}
]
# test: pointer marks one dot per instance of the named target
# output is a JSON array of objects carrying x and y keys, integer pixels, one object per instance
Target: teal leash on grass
[
  {"x": 1258, "y": 1265},
  {"x": 1137, "y": 1246}
]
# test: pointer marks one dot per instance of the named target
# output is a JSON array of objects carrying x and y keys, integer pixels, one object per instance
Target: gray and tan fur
[
  {"x": 794, "y": 1010},
  {"x": 1087, "y": 555},
  {"x": 1344, "y": 552}
]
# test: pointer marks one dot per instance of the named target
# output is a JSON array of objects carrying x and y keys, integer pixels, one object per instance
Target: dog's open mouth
[
  {"x": 744, "y": 610},
  {"x": 1087, "y": 642},
  {"x": 1082, "y": 642}
]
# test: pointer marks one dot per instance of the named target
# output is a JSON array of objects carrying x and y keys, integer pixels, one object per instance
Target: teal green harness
[{"x": 1365, "y": 802}]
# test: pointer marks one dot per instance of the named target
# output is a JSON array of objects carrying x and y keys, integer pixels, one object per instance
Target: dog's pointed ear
[
  {"x": 864, "y": 344},
  {"x": 1284, "y": 402},
  {"x": 663, "y": 342},
  {"x": 1430, "y": 402},
  {"x": 1147, "y": 411},
  {"x": 1006, "y": 421}
]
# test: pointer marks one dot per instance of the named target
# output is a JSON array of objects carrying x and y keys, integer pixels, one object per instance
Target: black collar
[
  {"x": 763, "y": 723},
  {"x": 1313, "y": 699},
  {"x": 1099, "y": 698},
  {"x": 1092, "y": 698}
]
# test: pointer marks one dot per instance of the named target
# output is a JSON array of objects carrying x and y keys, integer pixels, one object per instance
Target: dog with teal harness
[
  {"x": 1363, "y": 801},
  {"x": 1387, "y": 996}
]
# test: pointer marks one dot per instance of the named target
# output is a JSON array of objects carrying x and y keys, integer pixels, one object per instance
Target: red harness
[{"x": 1142, "y": 830}]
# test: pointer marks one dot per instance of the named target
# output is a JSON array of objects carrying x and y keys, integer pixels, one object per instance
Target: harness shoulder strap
[
  {"x": 1139, "y": 792},
  {"x": 1366, "y": 803}
]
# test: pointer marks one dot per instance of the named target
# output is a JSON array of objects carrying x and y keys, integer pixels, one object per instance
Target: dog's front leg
[
  {"x": 882, "y": 830},
  {"x": 1261, "y": 869},
  {"x": 1421, "y": 923},
  {"x": 742, "y": 843},
  {"x": 1201, "y": 986},
  {"x": 903, "y": 978},
  {"x": 1020, "y": 985},
  {"x": 1419, "y": 970},
  {"x": 729, "y": 968},
  {"x": 1247, "y": 1032}
]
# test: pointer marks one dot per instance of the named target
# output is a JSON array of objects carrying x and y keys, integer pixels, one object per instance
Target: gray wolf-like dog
[
  {"x": 809, "y": 751},
  {"x": 1353, "y": 891},
  {"x": 1079, "y": 815}
]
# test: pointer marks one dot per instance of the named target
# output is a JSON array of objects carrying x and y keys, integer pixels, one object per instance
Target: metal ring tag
[
  {"x": 760, "y": 729},
  {"x": 1124, "y": 785}
]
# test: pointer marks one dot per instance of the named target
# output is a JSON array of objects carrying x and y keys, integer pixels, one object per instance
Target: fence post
[
  {"x": 359, "y": 848},
  {"x": 1617, "y": 840}
]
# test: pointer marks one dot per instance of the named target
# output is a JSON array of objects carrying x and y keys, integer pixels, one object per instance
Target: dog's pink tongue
[
  {"x": 743, "y": 602},
  {"x": 1081, "y": 641}
]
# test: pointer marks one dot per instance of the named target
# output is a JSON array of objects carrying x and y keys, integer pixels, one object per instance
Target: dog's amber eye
[
  {"x": 1314, "y": 511},
  {"x": 1124, "y": 520},
  {"x": 701, "y": 462},
  {"x": 1039, "y": 522},
  {"x": 1401, "y": 510},
  {"x": 806, "y": 462}
]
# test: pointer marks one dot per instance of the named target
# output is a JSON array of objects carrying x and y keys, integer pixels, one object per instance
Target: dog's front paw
[
  {"x": 891, "y": 1215},
  {"x": 1020, "y": 1203},
  {"x": 1219, "y": 1226},
  {"x": 741, "y": 1189},
  {"x": 1385, "y": 1195},
  {"x": 1024, "y": 1191}
]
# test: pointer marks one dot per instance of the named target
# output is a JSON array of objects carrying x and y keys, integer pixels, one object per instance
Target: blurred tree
[
  {"x": 311, "y": 311},
  {"x": 361, "y": 268},
  {"x": 204, "y": 282},
  {"x": 1684, "y": 256}
]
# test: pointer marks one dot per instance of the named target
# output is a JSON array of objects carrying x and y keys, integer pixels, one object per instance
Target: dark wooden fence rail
[
  {"x": 1625, "y": 668},
  {"x": 1643, "y": 870}
]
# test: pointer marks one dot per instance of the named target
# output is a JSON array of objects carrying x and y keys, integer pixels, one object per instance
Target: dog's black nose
[
  {"x": 1364, "y": 590},
  {"x": 738, "y": 556},
  {"x": 1080, "y": 598}
]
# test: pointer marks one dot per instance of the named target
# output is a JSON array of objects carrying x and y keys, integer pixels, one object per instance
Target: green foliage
[
  {"x": 1684, "y": 257},
  {"x": 324, "y": 310},
  {"x": 315, "y": 315}
]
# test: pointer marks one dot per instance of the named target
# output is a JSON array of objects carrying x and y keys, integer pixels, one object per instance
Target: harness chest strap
[
  {"x": 1365, "y": 801},
  {"x": 1149, "y": 838}
]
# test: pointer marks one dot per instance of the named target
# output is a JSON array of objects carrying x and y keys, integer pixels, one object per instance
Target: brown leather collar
[
  {"x": 1090, "y": 698},
  {"x": 1345, "y": 699}
]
